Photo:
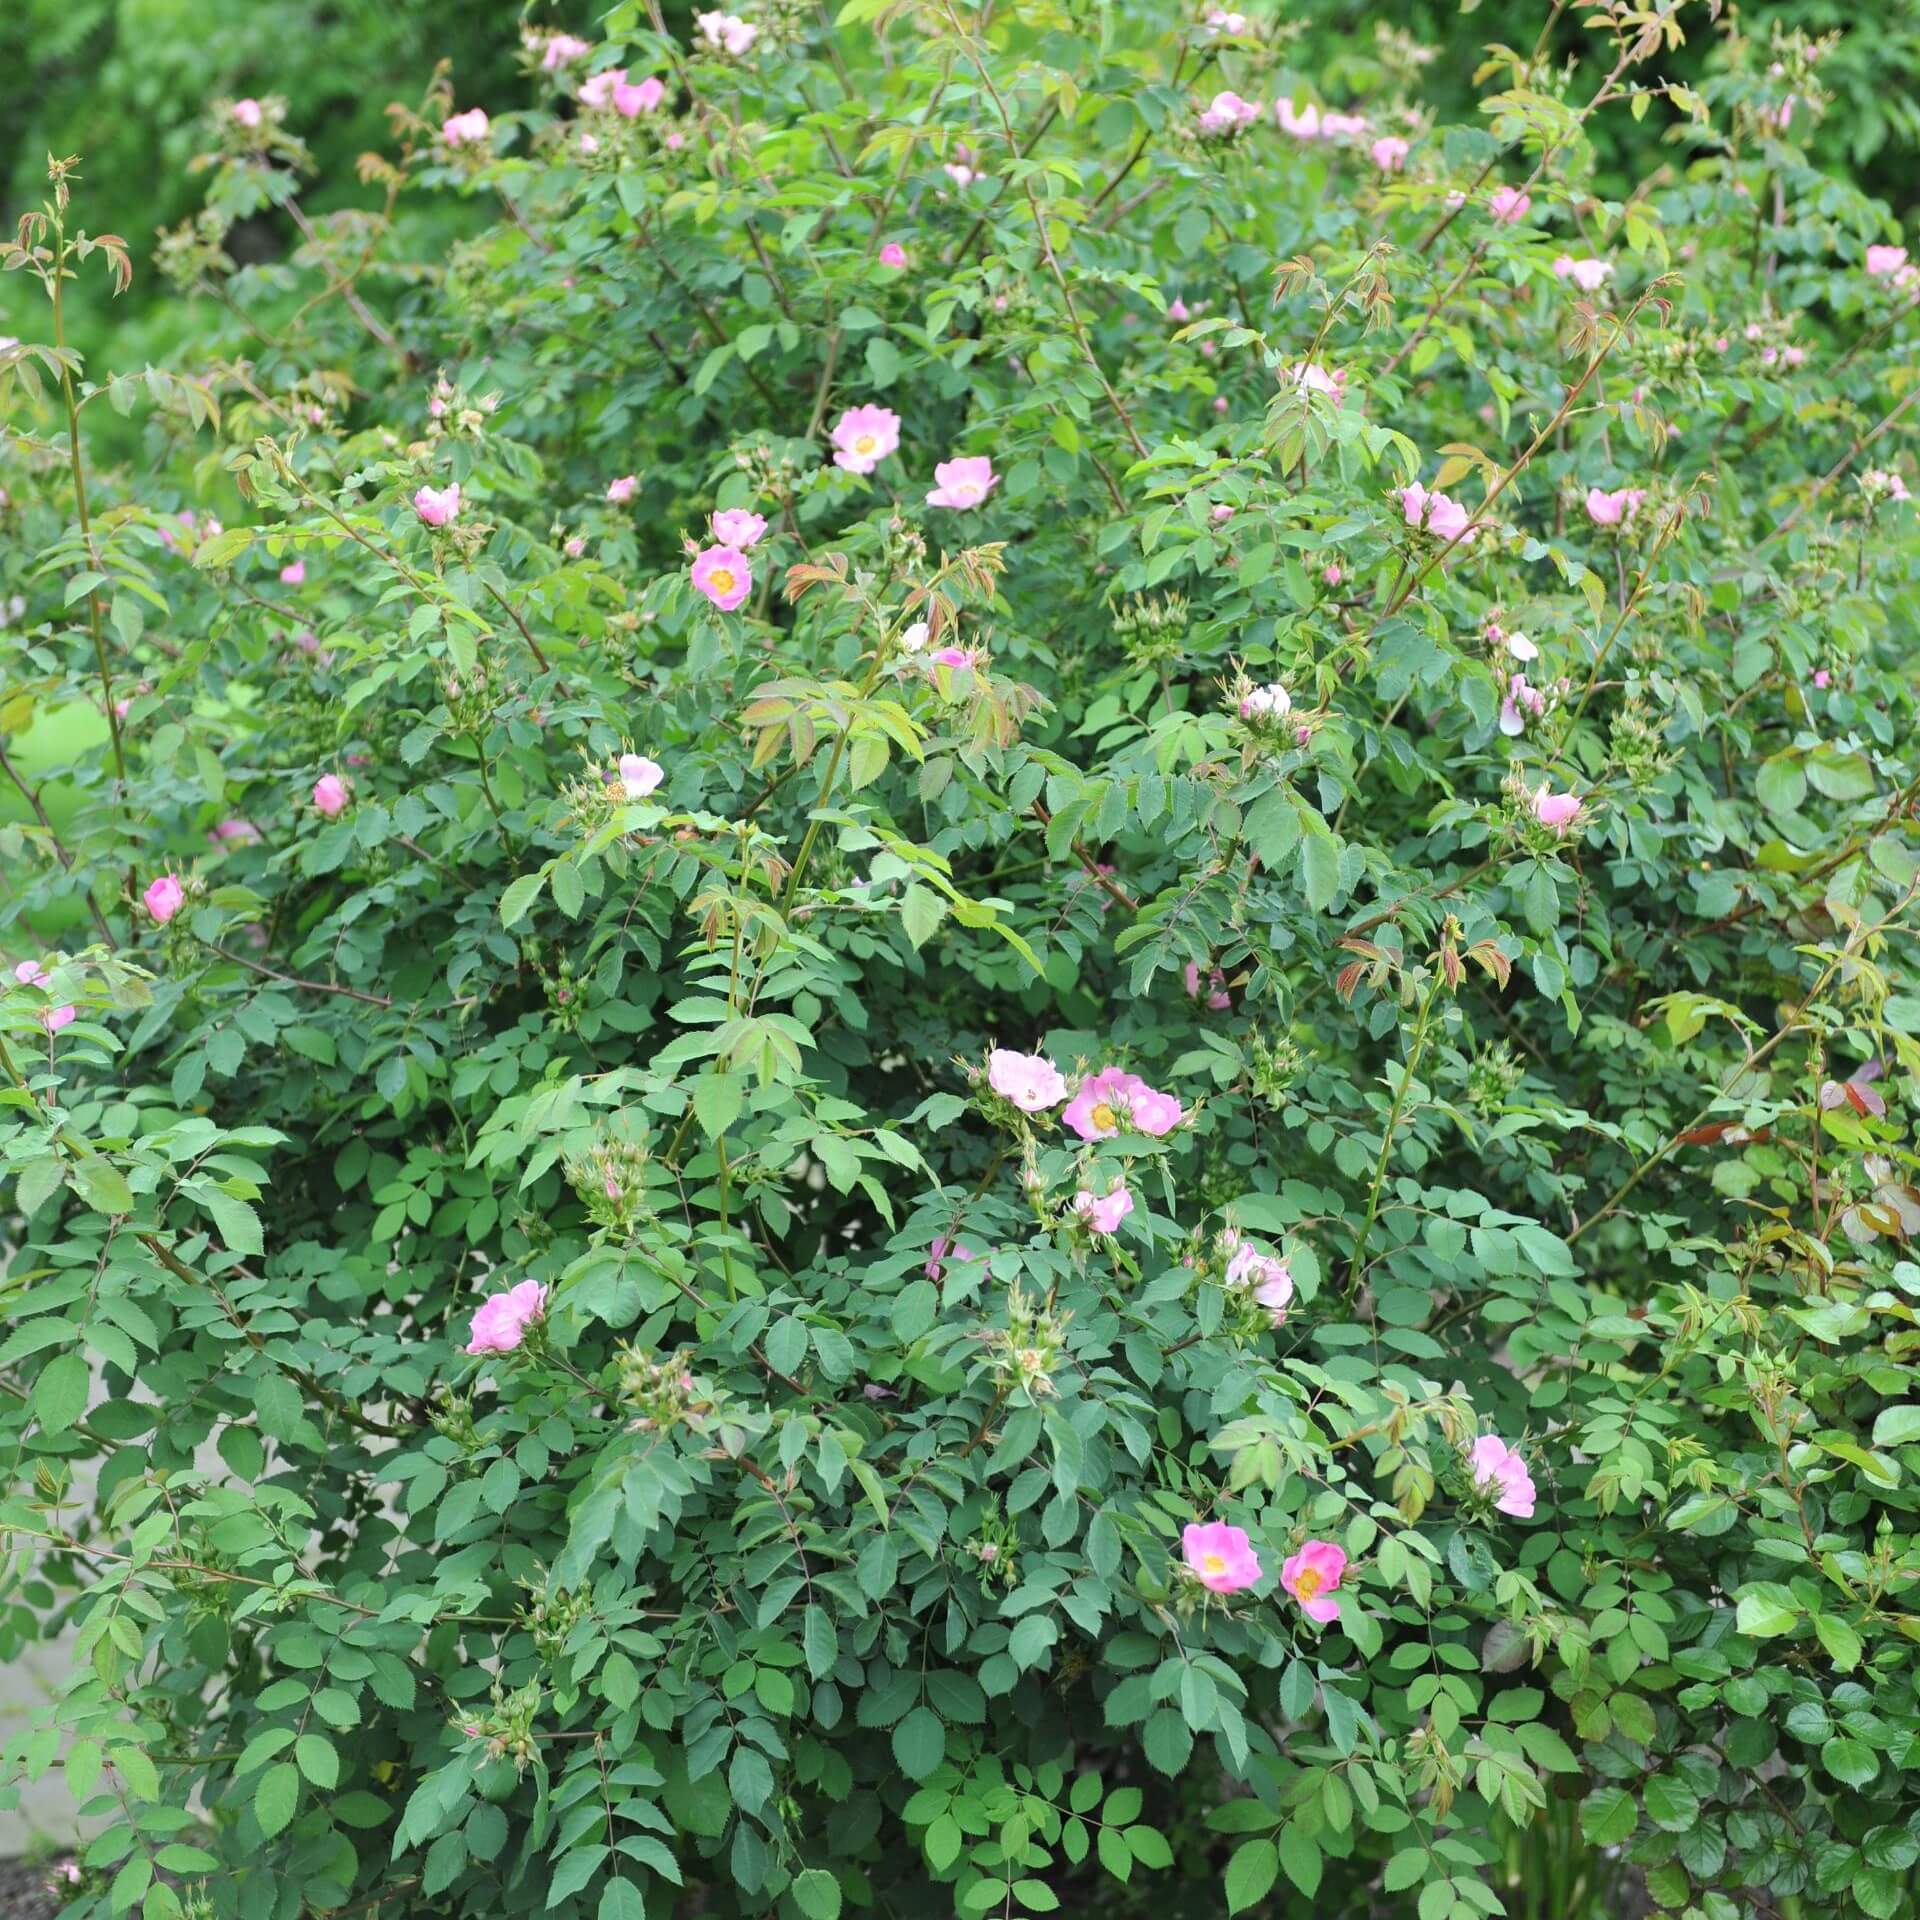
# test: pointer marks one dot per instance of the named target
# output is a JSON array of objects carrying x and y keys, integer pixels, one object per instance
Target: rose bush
[{"x": 993, "y": 988}]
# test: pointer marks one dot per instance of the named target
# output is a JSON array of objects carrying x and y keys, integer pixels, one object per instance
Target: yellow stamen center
[
  {"x": 1213, "y": 1563},
  {"x": 1308, "y": 1582},
  {"x": 865, "y": 442},
  {"x": 1105, "y": 1118},
  {"x": 722, "y": 578}
]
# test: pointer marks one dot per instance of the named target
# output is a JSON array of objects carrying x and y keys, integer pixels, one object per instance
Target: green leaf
[
  {"x": 1762, "y": 1614},
  {"x": 1840, "y": 1641},
  {"x": 1671, "y": 1803},
  {"x": 622, "y": 1900},
  {"x": 101, "y": 1185},
  {"x": 317, "y": 1759},
  {"x": 921, "y": 912},
  {"x": 60, "y": 1393},
  {"x": 276, "y": 1797},
  {"x": 817, "y": 1894},
  {"x": 1895, "y": 1426},
  {"x": 920, "y": 1743},
  {"x": 238, "y": 1223},
  {"x": 1607, "y": 1816},
  {"x": 1251, "y": 1872},
  {"x": 520, "y": 896},
  {"x": 1850, "y": 1761}
]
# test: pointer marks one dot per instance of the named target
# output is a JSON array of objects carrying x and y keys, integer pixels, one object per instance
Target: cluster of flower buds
[
  {"x": 664, "y": 1388},
  {"x": 505, "y": 1729},
  {"x": 452, "y": 414},
  {"x": 611, "y": 1180},
  {"x": 552, "y": 1613},
  {"x": 1026, "y": 1351},
  {"x": 451, "y": 1417},
  {"x": 470, "y": 698}
]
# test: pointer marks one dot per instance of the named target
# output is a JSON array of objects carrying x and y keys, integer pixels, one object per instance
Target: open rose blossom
[
  {"x": 437, "y": 506},
  {"x": 1443, "y": 517},
  {"x": 726, "y": 32},
  {"x": 893, "y": 254},
  {"x": 1312, "y": 1575},
  {"x": 561, "y": 50},
  {"x": 1509, "y": 205},
  {"x": 294, "y": 573},
  {"x": 638, "y": 776},
  {"x": 1498, "y": 1468},
  {"x": 1103, "y": 1212},
  {"x": 30, "y": 973},
  {"x": 863, "y": 436},
  {"x": 1557, "y": 811},
  {"x": 1114, "y": 1101},
  {"x": 469, "y": 128},
  {"x": 503, "y": 1319},
  {"x": 1389, "y": 153},
  {"x": 964, "y": 482},
  {"x": 622, "y": 490},
  {"x": 164, "y": 898},
  {"x": 1218, "y": 998},
  {"x": 724, "y": 576},
  {"x": 1030, "y": 1080},
  {"x": 1220, "y": 1557},
  {"x": 330, "y": 795},
  {"x": 1588, "y": 275},
  {"x": 249, "y": 114},
  {"x": 737, "y": 528},
  {"x": 1884, "y": 262},
  {"x": 1267, "y": 1278},
  {"x": 1227, "y": 113},
  {"x": 1606, "y": 509}
]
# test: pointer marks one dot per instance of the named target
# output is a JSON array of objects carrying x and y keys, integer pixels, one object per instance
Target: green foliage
[{"x": 815, "y": 1546}]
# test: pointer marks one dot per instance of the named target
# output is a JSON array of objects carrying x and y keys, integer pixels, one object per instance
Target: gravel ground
[{"x": 23, "y": 1890}]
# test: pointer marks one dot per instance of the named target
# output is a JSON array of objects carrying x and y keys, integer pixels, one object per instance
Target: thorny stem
[{"x": 1414, "y": 1051}]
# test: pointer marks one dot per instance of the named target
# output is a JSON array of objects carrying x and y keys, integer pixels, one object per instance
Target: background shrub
[{"x": 637, "y": 642}]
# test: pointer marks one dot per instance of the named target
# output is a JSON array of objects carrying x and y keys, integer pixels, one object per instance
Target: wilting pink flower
[
  {"x": 724, "y": 575},
  {"x": 503, "y": 1319},
  {"x": 622, "y": 490},
  {"x": 164, "y": 898},
  {"x": 1227, "y": 113},
  {"x": 863, "y": 437},
  {"x": 1557, "y": 811},
  {"x": 1220, "y": 1557},
  {"x": 31, "y": 973},
  {"x": 459, "y": 128},
  {"x": 330, "y": 795},
  {"x": 238, "y": 833},
  {"x": 1521, "y": 704},
  {"x": 1030, "y": 1080},
  {"x": 1113, "y": 1099},
  {"x": 943, "y": 1250},
  {"x": 893, "y": 254},
  {"x": 1390, "y": 152},
  {"x": 1588, "y": 275},
  {"x": 726, "y": 32},
  {"x": 247, "y": 112},
  {"x": 1303, "y": 125},
  {"x": 736, "y": 527},
  {"x": 964, "y": 481},
  {"x": 1610, "y": 509},
  {"x": 1103, "y": 1212},
  {"x": 294, "y": 573},
  {"x": 1443, "y": 517},
  {"x": 1313, "y": 378},
  {"x": 1884, "y": 262},
  {"x": 437, "y": 506},
  {"x": 561, "y": 50},
  {"x": 1218, "y": 998},
  {"x": 1312, "y": 1575},
  {"x": 1496, "y": 1465},
  {"x": 953, "y": 657},
  {"x": 1509, "y": 205},
  {"x": 638, "y": 776},
  {"x": 1856, "y": 1091}
]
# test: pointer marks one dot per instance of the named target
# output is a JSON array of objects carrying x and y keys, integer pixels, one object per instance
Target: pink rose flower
[
  {"x": 1313, "y": 378},
  {"x": 249, "y": 113},
  {"x": 724, "y": 575},
  {"x": 1884, "y": 262},
  {"x": 1220, "y": 1557},
  {"x": 1331, "y": 573},
  {"x": 1030, "y": 1080},
  {"x": 638, "y": 776},
  {"x": 1228, "y": 113},
  {"x": 561, "y": 50},
  {"x": 438, "y": 506},
  {"x": 1611, "y": 509},
  {"x": 1822, "y": 678},
  {"x": 622, "y": 490},
  {"x": 1522, "y": 703},
  {"x": 1589, "y": 275},
  {"x": 460, "y": 128},
  {"x": 1389, "y": 153},
  {"x": 330, "y": 795},
  {"x": 1114, "y": 1100},
  {"x": 1557, "y": 811},
  {"x": 1303, "y": 125},
  {"x": 1312, "y": 1575},
  {"x": 630, "y": 102},
  {"x": 726, "y": 32},
  {"x": 164, "y": 898},
  {"x": 1267, "y": 1278},
  {"x": 1218, "y": 998},
  {"x": 893, "y": 254},
  {"x": 964, "y": 481},
  {"x": 1103, "y": 1212},
  {"x": 597, "y": 90},
  {"x": 736, "y": 527},
  {"x": 962, "y": 175},
  {"x": 31, "y": 973},
  {"x": 294, "y": 573},
  {"x": 576, "y": 545},
  {"x": 863, "y": 437},
  {"x": 503, "y": 1319},
  {"x": 943, "y": 1250},
  {"x": 1496, "y": 1465},
  {"x": 1509, "y": 205},
  {"x": 241, "y": 833},
  {"x": 1443, "y": 517}
]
